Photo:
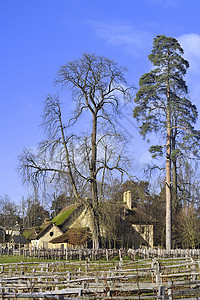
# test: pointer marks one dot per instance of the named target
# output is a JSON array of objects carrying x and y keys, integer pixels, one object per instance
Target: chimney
[{"x": 127, "y": 199}]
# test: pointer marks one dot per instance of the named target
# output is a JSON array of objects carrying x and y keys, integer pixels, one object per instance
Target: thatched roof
[
  {"x": 64, "y": 214},
  {"x": 32, "y": 233}
]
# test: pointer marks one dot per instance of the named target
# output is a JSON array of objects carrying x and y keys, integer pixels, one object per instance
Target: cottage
[
  {"x": 73, "y": 238},
  {"x": 18, "y": 241},
  {"x": 43, "y": 238},
  {"x": 71, "y": 228},
  {"x": 140, "y": 223}
]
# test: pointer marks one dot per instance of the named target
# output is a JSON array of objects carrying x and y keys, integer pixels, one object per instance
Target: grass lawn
[{"x": 19, "y": 258}]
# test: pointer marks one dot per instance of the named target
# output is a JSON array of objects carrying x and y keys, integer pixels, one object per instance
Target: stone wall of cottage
[
  {"x": 83, "y": 220},
  {"x": 144, "y": 235},
  {"x": 52, "y": 233}
]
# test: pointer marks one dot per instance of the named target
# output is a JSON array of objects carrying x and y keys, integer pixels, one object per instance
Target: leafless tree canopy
[{"x": 99, "y": 90}]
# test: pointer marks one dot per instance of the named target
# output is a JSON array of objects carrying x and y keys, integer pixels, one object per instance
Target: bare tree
[
  {"x": 99, "y": 89},
  {"x": 9, "y": 212},
  {"x": 188, "y": 226}
]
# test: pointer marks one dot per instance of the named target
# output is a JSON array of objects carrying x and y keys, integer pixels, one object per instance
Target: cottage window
[{"x": 51, "y": 233}]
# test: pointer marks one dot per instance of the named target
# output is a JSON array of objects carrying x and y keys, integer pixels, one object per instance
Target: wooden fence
[
  {"x": 83, "y": 254},
  {"x": 162, "y": 253},
  {"x": 74, "y": 254},
  {"x": 138, "y": 279},
  {"x": 160, "y": 277}
]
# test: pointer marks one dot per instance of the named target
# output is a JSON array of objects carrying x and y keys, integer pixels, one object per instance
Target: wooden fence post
[
  {"x": 86, "y": 267},
  {"x": 68, "y": 276},
  {"x": 120, "y": 255},
  {"x": 107, "y": 258},
  {"x": 66, "y": 253},
  {"x": 170, "y": 296},
  {"x": 60, "y": 297},
  {"x": 193, "y": 269},
  {"x": 80, "y": 254},
  {"x": 161, "y": 292},
  {"x": 47, "y": 267},
  {"x": 158, "y": 273},
  {"x": 22, "y": 268}
]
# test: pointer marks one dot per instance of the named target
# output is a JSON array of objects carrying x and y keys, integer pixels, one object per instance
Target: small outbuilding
[{"x": 18, "y": 241}]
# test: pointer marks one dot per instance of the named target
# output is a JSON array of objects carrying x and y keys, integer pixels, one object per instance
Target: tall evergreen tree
[{"x": 162, "y": 107}]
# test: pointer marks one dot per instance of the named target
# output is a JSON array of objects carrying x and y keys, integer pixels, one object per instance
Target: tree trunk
[
  {"x": 96, "y": 235},
  {"x": 168, "y": 204},
  {"x": 93, "y": 162},
  {"x": 168, "y": 177},
  {"x": 94, "y": 192},
  {"x": 94, "y": 217},
  {"x": 174, "y": 170}
]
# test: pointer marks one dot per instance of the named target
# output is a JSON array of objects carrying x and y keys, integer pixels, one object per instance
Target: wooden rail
[
  {"x": 163, "y": 278},
  {"x": 162, "y": 253},
  {"x": 74, "y": 254}
]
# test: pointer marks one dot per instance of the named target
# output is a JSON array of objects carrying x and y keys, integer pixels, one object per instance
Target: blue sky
[{"x": 37, "y": 36}]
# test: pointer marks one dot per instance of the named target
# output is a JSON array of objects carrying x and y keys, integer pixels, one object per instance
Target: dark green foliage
[
  {"x": 151, "y": 99},
  {"x": 139, "y": 191},
  {"x": 36, "y": 214},
  {"x": 162, "y": 89},
  {"x": 156, "y": 150},
  {"x": 162, "y": 106}
]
